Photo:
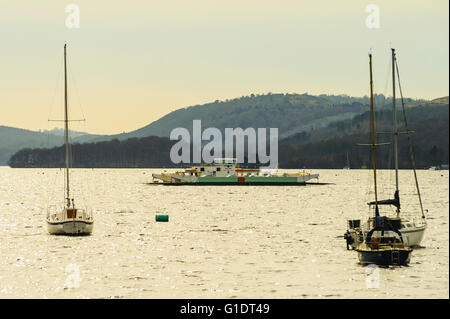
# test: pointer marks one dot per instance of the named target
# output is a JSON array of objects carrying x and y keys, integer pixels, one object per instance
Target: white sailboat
[
  {"x": 69, "y": 220},
  {"x": 412, "y": 230},
  {"x": 348, "y": 163}
]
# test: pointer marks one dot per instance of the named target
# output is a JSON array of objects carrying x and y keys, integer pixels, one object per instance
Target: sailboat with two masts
[
  {"x": 69, "y": 220},
  {"x": 412, "y": 230},
  {"x": 383, "y": 244}
]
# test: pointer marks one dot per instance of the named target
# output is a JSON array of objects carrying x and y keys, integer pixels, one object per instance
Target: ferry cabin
[{"x": 221, "y": 167}]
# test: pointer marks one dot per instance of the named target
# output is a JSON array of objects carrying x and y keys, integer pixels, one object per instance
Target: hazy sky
[{"x": 131, "y": 64}]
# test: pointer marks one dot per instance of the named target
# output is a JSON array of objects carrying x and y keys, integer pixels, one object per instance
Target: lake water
[{"x": 220, "y": 242}]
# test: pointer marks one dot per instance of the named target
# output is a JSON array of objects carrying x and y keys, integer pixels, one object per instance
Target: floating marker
[{"x": 162, "y": 218}]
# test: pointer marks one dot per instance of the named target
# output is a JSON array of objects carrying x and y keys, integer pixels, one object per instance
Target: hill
[
  {"x": 441, "y": 100},
  {"x": 13, "y": 139},
  {"x": 320, "y": 148},
  {"x": 327, "y": 148},
  {"x": 291, "y": 113}
]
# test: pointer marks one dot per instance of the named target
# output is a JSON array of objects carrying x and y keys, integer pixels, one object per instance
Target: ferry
[{"x": 226, "y": 171}]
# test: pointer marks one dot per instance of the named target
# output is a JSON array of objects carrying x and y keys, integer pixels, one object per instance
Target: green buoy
[{"x": 162, "y": 218}]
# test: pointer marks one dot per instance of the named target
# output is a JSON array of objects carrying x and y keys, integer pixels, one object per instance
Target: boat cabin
[{"x": 221, "y": 167}]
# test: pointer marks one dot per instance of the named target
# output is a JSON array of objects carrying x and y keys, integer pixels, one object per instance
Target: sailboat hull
[
  {"x": 75, "y": 227},
  {"x": 412, "y": 235},
  {"x": 384, "y": 257}
]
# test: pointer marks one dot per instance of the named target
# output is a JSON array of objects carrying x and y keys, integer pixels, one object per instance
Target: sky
[{"x": 132, "y": 62}]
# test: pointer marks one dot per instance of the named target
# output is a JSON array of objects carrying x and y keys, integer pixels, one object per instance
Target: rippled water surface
[{"x": 220, "y": 242}]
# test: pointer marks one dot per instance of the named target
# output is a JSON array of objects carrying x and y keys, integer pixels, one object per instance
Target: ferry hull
[
  {"x": 212, "y": 183},
  {"x": 242, "y": 181}
]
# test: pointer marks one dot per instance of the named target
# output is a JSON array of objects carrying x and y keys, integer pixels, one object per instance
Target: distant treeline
[
  {"x": 323, "y": 148},
  {"x": 328, "y": 147},
  {"x": 134, "y": 153}
]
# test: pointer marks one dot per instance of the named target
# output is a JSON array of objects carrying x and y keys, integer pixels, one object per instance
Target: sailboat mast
[
  {"x": 66, "y": 128},
  {"x": 411, "y": 153},
  {"x": 372, "y": 131},
  {"x": 395, "y": 130}
]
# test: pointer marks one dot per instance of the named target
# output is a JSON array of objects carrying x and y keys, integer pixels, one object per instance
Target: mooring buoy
[{"x": 162, "y": 218}]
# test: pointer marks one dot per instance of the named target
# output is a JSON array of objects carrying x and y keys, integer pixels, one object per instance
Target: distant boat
[
  {"x": 69, "y": 220},
  {"x": 225, "y": 171},
  {"x": 383, "y": 244},
  {"x": 348, "y": 163}
]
